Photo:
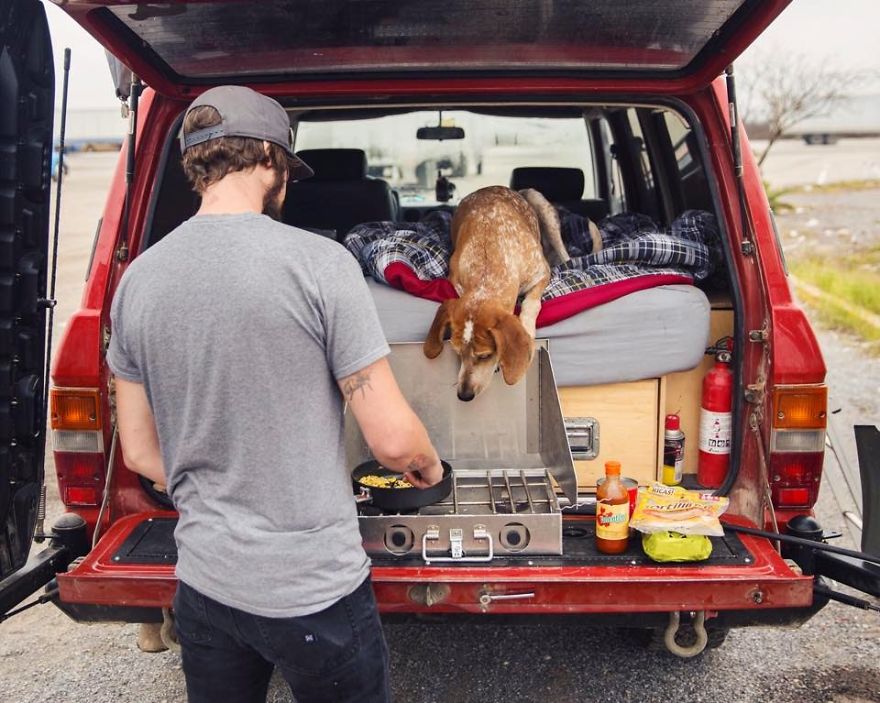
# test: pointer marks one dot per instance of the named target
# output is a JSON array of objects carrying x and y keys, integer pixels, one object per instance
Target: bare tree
[{"x": 782, "y": 90}]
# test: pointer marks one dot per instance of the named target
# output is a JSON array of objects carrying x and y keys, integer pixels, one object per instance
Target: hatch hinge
[
  {"x": 105, "y": 339},
  {"x": 122, "y": 252},
  {"x": 754, "y": 394},
  {"x": 761, "y": 336},
  {"x": 747, "y": 248}
]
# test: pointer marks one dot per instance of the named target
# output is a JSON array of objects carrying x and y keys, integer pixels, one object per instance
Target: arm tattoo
[{"x": 359, "y": 382}]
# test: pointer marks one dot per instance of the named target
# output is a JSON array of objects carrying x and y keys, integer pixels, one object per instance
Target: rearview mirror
[{"x": 439, "y": 134}]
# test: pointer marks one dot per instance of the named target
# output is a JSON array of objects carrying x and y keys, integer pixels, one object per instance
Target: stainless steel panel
[{"x": 509, "y": 427}]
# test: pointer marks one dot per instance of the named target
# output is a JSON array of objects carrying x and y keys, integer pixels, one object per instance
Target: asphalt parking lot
[{"x": 835, "y": 657}]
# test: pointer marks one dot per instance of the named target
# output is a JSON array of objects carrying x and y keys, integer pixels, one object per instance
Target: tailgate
[{"x": 133, "y": 566}]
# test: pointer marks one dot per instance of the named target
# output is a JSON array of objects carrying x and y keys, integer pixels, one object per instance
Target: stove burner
[
  {"x": 502, "y": 507},
  {"x": 515, "y": 508}
]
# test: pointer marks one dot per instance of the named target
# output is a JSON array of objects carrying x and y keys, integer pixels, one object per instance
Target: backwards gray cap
[{"x": 246, "y": 113}]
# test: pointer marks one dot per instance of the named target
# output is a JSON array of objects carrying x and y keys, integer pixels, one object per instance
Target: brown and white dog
[{"x": 497, "y": 238}]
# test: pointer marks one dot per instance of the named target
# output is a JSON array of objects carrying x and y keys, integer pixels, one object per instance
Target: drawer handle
[{"x": 583, "y": 437}]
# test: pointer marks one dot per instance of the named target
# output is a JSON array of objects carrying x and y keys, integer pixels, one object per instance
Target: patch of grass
[
  {"x": 861, "y": 184},
  {"x": 867, "y": 257},
  {"x": 835, "y": 317},
  {"x": 775, "y": 195},
  {"x": 857, "y": 287}
]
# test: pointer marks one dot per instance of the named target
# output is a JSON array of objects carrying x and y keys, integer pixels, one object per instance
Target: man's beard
[{"x": 272, "y": 202}]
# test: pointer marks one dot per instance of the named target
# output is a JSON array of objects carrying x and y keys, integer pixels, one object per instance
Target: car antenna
[
  {"x": 49, "y": 302},
  {"x": 134, "y": 99}
]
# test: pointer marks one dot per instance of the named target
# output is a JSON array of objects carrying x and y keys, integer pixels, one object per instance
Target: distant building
[{"x": 92, "y": 129}]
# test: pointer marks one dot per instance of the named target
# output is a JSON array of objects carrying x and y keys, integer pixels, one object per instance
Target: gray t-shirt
[{"x": 238, "y": 327}]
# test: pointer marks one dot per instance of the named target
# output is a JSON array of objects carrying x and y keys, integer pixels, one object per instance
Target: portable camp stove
[
  {"x": 509, "y": 454},
  {"x": 488, "y": 513}
]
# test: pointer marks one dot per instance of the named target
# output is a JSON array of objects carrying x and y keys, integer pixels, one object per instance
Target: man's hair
[{"x": 206, "y": 163}]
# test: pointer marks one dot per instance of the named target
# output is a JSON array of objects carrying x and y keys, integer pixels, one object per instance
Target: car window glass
[
  {"x": 616, "y": 190},
  {"x": 642, "y": 150},
  {"x": 678, "y": 135},
  {"x": 492, "y": 147},
  {"x": 290, "y": 37},
  {"x": 691, "y": 175}
]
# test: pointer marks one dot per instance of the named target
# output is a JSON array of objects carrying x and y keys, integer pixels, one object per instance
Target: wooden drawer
[{"x": 630, "y": 427}]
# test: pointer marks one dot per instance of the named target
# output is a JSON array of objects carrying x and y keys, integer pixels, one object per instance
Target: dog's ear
[
  {"x": 514, "y": 347},
  {"x": 439, "y": 329}
]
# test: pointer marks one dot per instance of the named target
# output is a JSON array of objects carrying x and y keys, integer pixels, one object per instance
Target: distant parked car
[
  {"x": 56, "y": 162},
  {"x": 823, "y": 138}
]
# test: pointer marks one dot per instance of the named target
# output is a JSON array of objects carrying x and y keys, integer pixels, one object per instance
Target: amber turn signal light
[
  {"x": 75, "y": 409},
  {"x": 800, "y": 407}
]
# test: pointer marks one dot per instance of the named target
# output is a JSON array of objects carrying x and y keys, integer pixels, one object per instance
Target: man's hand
[
  {"x": 137, "y": 431},
  {"x": 424, "y": 472}
]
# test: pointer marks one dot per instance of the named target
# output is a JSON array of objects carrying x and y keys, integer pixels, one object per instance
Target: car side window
[
  {"x": 615, "y": 185},
  {"x": 639, "y": 152},
  {"x": 693, "y": 188}
]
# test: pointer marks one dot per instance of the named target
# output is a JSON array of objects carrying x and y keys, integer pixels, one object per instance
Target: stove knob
[
  {"x": 514, "y": 537},
  {"x": 399, "y": 539}
]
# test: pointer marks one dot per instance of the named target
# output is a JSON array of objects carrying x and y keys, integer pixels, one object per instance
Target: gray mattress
[{"x": 641, "y": 335}]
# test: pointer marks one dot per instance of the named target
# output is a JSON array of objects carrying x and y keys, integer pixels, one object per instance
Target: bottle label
[
  {"x": 714, "y": 432},
  {"x": 673, "y": 461},
  {"x": 612, "y": 521}
]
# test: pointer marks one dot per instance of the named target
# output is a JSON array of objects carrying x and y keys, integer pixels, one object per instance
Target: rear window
[
  {"x": 213, "y": 39},
  {"x": 493, "y": 146}
]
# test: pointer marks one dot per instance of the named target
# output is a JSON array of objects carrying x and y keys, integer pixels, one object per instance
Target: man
[{"x": 235, "y": 340}]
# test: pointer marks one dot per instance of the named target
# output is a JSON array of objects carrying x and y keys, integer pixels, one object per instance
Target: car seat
[
  {"x": 339, "y": 196},
  {"x": 561, "y": 186}
]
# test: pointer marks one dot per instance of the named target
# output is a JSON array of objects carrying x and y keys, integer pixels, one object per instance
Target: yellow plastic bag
[
  {"x": 674, "y": 546},
  {"x": 662, "y": 508}
]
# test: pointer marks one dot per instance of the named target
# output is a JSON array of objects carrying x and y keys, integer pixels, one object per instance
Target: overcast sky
[{"x": 842, "y": 31}]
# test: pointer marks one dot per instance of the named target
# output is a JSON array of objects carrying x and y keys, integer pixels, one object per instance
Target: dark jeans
[{"x": 336, "y": 655}]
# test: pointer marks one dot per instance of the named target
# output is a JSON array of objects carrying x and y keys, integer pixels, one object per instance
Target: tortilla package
[{"x": 660, "y": 508}]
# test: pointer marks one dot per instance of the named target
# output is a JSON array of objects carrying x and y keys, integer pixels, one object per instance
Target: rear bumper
[{"x": 766, "y": 585}]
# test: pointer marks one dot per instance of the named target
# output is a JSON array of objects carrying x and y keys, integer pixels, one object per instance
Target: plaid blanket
[{"x": 636, "y": 254}]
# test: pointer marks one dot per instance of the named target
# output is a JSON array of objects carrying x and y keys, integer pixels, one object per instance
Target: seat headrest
[
  {"x": 335, "y": 164},
  {"x": 554, "y": 183}
]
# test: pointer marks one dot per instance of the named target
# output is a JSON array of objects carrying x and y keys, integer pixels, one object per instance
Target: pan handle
[{"x": 364, "y": 496}]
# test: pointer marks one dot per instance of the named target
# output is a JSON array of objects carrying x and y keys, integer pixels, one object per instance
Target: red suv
[{"x": 607, "y": 108}]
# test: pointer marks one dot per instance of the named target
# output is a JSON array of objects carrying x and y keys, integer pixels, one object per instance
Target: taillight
[
  {"x": 78, "y": 442},
  {"x": 797, "y": 444}
]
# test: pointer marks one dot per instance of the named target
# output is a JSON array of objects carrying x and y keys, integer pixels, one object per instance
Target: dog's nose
[{"x": 465, "y": 395}]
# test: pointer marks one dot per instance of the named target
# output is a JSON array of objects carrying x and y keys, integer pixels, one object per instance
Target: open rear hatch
[
  {"x": 178, "y": 47},
  {"x": 501, "y": 542}
]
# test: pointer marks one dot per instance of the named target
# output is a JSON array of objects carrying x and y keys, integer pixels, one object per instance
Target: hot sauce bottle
[{"x": 612, "y": 512}]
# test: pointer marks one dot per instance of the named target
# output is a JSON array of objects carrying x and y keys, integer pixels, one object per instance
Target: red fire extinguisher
[{"x": 715, "y": 423}]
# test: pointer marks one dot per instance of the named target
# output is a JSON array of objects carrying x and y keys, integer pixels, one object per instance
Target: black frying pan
[{"x": 400, "y": 498}]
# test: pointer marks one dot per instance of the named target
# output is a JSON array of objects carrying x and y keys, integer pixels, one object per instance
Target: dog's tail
[{"x": 550, "y": 226}]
